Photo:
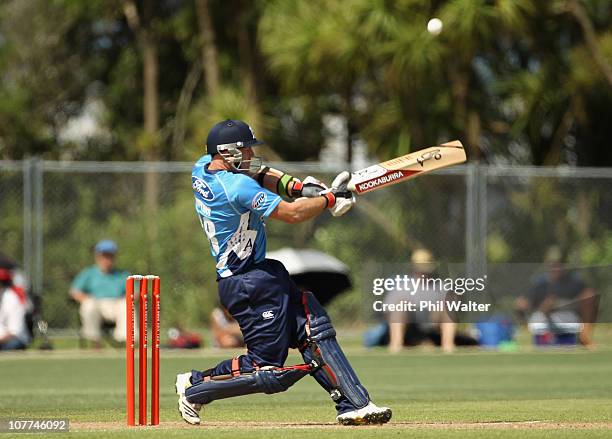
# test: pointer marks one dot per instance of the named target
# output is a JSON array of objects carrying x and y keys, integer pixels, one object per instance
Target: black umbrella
[{"x": 314, "y": 271}]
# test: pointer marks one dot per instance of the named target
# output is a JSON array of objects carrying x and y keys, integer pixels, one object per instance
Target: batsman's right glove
[{"x": 309, "y": 188}]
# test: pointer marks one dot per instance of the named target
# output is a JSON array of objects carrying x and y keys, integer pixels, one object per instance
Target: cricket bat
[{"x": 406, "y": 167}]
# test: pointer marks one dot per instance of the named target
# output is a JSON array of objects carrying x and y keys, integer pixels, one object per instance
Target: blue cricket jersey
[{"x": 232, "y": 208}]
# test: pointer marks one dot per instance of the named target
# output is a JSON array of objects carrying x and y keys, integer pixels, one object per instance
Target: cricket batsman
[{"x": 234, "y": 195}]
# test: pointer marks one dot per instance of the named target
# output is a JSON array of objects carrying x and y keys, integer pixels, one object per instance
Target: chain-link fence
[{"x": 52, "y": 213}]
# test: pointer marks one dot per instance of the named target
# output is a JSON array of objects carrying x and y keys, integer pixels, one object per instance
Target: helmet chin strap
[{"x": 232, "y": 154}]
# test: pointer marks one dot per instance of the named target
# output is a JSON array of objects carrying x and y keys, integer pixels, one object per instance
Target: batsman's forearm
[
  {"x": 300, "y": 210},
  {"x": 307, "y": 208},
  {"x": 276, "y": 181}
]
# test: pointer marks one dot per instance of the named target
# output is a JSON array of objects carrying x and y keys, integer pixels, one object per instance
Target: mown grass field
[{"x": 549, "y": 393}]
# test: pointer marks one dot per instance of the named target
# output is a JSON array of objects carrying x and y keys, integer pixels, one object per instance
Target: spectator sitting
[
  {"x": 559, "y": 290},
  {"x": 100, "y": 291},
  {"x": 13, "y": 306},
  {"x": 226, "y": 331},
  {"x": 417, "y": 327}
]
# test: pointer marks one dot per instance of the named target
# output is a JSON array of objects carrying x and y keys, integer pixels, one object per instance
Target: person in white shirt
[{"x": 13, "y": 330}]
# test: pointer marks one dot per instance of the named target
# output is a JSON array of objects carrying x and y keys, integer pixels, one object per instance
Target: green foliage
[
  {"x": 170, "y": 243},
  {"x": 514, "y": 79},
  {"x": 501, "y": 72},
  {"x": 598, "y": 252},
  {"x": 228, "y": 103},
  {"x": 11, "y": 206}
]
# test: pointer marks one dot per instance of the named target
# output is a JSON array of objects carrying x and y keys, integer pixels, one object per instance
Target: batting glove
[{"x": 339, "y": 198}]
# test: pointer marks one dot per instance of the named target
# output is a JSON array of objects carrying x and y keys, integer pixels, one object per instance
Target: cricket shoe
[
  {"x": 189, "y": 412},
  {"x": 370, "y": 414}
]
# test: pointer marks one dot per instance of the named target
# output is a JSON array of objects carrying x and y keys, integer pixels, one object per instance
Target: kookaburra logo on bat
[
  {"x": 407, "y": 166},
  {"x": 428, "y": 156}
]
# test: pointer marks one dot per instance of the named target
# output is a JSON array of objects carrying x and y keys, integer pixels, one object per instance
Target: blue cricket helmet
[{"x": 230, "y": 131}]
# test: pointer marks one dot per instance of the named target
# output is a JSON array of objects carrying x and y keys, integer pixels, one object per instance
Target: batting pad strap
[
  {"x": 266, "y": 380},
  {"x": 236, "y": 366},
  {"x": 322, "y": 336}
]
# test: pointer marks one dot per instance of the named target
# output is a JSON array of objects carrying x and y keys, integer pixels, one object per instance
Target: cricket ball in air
[{"x": 434, "y": 26}]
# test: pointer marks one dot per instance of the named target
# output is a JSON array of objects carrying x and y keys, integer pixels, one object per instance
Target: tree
[
  {"x": 50, "y": 55},
  {"x": 519, "y": 81},
  {"x": 314, "y": 49},
  {"x": 142, "y": 28},
  {"x": 209, "y": 57}
]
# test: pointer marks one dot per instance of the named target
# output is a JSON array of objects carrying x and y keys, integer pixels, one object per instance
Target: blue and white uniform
[
  {"x": 232, "y": 209},
  {"x": 272, "y": 312}
]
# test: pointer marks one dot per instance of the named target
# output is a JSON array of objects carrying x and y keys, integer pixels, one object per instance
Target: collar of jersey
[{"x": 212, "y": 171}]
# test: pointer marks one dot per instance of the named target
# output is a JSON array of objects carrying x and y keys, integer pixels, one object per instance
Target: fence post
[
  {"x": 483, "y": 220},
  {"x": 38, "y": 226},
  {"x": 471, "y": 219},
  {"x": 476, "y": 220},
  {"x": 27, "y": 218}
]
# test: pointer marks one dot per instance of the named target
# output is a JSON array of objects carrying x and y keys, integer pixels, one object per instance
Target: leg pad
[
  {"x": 323, "y": 344},
  {"x": 265, "y": 380}
]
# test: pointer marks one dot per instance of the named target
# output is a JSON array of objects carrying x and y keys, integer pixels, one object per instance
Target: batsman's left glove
[{"x": 339, "y": 198}]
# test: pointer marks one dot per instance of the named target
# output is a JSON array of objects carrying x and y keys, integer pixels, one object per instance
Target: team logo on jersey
[
  {"x": 267, "y": 315},
  {"x": 258, "y": 200},
  {"x": 202, "y": 188}
]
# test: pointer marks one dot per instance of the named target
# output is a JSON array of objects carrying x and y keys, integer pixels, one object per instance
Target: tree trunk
[
  {"x": 351, "y": 130},
  {"x": 553, "y": 155},
  {"x": 210, "y": 62},
  {"x": 248, "y": 75},
  {"x": 150, "y": 68},
  {"x": 182, "y": 109},
  {"x": 576, "y": 8},
  {"x": 417, "y": 136},
  {"x": 151, "y": 98},
  {"x": 459, "y": 90},
  {"x": 350, "y": 137},
  {"x": 473, "y": 130}
]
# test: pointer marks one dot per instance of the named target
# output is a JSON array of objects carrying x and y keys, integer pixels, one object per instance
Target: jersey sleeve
[
  {"x": 81, "y": 281},
  {"x": 255, "y": 198}
]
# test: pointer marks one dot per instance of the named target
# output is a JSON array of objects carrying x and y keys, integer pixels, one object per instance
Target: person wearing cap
[
  {"x": 411, "y": 328},
  {"x": 234, "y": 195},
  {"x": 14, "y": 333},
  {"x": 100, "y": 291}
]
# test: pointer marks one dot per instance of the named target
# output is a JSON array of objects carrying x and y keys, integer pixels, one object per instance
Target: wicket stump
[{"x": 142, "y": 349}]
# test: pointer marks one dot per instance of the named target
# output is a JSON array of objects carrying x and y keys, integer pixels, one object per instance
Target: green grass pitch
[{"x": 482, "y": 394}]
